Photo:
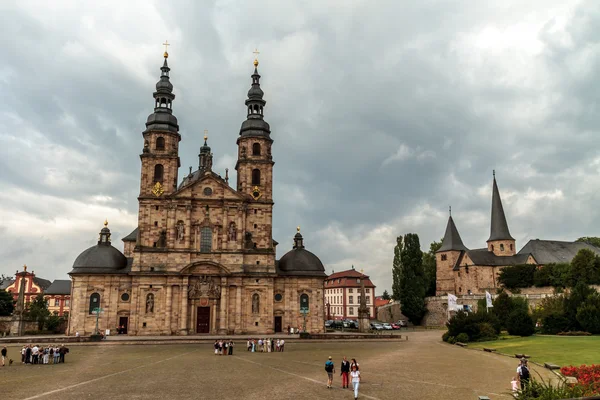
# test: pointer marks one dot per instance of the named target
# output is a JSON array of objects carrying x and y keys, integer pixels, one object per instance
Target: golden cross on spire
[
  {"x": 256, "y": 53},
  {"x": 166, "y": 44},
  {"x": 205, "y": 134}
]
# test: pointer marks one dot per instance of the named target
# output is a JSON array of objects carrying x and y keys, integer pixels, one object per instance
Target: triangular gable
[{"x": 218, "y": 189}]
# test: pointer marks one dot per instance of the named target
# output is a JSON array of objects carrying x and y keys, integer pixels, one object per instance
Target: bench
[
  {"x": 522, "y": 356},
  {"x": 461, "y": 344},
  {"x": 489, "y": 350},
  {"x": 551, "y": 366}
]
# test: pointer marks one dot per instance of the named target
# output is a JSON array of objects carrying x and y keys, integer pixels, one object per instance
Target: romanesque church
[
  {"x": 202, "y": 258},
  {"x": 463, "y": 271}
]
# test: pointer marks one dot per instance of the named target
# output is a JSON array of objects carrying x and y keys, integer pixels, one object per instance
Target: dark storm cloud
[{"x": 382, "y": 113}]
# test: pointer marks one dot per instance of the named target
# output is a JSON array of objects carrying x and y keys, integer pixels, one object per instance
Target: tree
[
  {"x": 583, "y": 267},
  {"x": 412, "y": 281},
  {"x": 588, "y": 314},
  {"x": 576, "y": 298},
  {"x": 594, "y": 241},
  {"x": 397, "y": 269},
  {"x": 520, "y": 323},
  {"x": 517, "y": 276},
  {"x": 430, "y": 268},
  {"x": 38, "y": 310},
  {"x": 386, "y": 295},
  {"x": 7, "y": 304}
]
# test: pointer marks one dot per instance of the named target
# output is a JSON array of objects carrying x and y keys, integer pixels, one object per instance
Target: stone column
[
  {"x": 188, "y": 225},
  {"x": 183, "y": 328},
  {"x": 171, "y": 233},
  {"x": 168, "y": 308},
  {"x": 225, "y": 233},
  {"x": 238, "y": 309},
  {"x": 223, "y": 305}
]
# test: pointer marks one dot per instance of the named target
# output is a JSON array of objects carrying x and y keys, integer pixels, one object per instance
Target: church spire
[
  {"x": 452, "y": 240},
  {"x": 499, "y": 226},
  {"x": 205, "y": 156},
  {"x": 255, "y": 125},
  {"x": 163, "y": 119}
]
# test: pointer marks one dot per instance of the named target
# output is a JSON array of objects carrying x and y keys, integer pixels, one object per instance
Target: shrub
[
  {"x": 588, "y": 314},
  {"x": 487, "y": 332},
  {"x": 53, "y": 323},
  {"x": 554, "y": 323},
  {"x": 445, "y": 336},
  {"x": 546, "y": 390},
  {"x": 520, "y": 323},
  {"x": 462, "y": 337},
  {"x": 574, "y": 333},
  {"x": 517, "y": 276},
  {"x": 472, "y": 324},
  {"x": 451, "y": 340}
]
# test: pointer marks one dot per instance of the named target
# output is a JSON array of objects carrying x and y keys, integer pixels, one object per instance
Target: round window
[
  {"x": 278, "y": 297},
  {"x": 125, "y": 297},
  {"x": 207, "y": 191}
]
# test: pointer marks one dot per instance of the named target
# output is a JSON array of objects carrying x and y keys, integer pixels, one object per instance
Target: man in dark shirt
[
  {"x": 345, "y": 371},
  {"x": 4, "y": 351}
]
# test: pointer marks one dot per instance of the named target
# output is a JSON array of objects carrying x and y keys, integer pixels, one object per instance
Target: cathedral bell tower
[
  {"x": 255, "y": 163},
  {"x": 160, "y": 156}
]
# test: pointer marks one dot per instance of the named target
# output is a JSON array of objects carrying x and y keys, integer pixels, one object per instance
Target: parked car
[
  {"x": 402, "y": 323},
  {"x": 376, "y": 326},
  {"x": 395, "y": 326},
  {"x": 387, "y": 326},
  {"x": 328, "y": 323}
]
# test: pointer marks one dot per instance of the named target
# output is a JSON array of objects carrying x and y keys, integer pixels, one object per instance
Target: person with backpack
[
  {"x": 330, "y": 369},
  {"x": 523, "y": 373},
  {"x": 345, "y": 371}
]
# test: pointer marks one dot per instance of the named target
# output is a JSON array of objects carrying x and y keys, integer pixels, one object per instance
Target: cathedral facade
[{"x": 202, "y": 258}]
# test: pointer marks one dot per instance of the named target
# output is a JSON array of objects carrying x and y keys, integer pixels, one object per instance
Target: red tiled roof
[
  {"x": 351, "y": 273},
  {"x": 347, "y": 279},
  {"x": 380, "y": 302}
]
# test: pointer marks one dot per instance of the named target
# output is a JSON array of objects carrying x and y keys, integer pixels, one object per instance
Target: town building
[
  {"x": 462, "y": 271},
  {"x": 202, "y": 258},
  {"x": 342, "y": 294},
  {"x": 34, "y": 285},
  {"x": 58, "y": 297}
]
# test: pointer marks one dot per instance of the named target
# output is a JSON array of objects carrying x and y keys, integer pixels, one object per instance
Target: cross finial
[
  {"x": 298, "y": 229},
  {"x": 106, "y": 222},
  {"x": 166, "y": 44},
  {"x": 205, "y": 135},
  {"x": 450, "y": 210},
  {"x": 494, "y": 172},
  {"x": 256, "y": 53}
]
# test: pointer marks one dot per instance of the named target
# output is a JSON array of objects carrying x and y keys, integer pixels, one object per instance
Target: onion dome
[
  {"x": 255, "y": 125},
  {"x": 162, "y": 119},
  {"x": 101, "y": 258},
  {"x": 300, "y": 261}
]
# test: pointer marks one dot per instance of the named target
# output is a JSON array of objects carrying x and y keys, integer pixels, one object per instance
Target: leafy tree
[
  {"x": 38, "y": 310},
  {"x": 517, "y": 276},
  {"x": 7, "y": 304},
  {"x": 520, "y": 323},
  {"x": 502, "y": 307},
  {"x": 386, "y": 295},
  {"x": 588, "y": 314},
  {"x": 412, "y": 281},
  {"x": 576, "y": 298},
  {"x": 429, "y": 267},
  {"x": 397, "y": 268},
  {"x": 594, "y": 241},
  {"x": 53, "y": 323},
  {"x": 583, "y": 267}
]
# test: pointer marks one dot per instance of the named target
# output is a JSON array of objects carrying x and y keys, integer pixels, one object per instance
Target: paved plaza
[{"x": 421, "y": 368}]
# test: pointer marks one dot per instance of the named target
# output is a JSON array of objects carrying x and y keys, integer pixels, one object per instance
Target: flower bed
[{"x": 587, "y": 376}]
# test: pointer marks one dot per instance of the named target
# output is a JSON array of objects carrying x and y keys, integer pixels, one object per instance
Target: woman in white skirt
[{"x": 355, "y": 377}]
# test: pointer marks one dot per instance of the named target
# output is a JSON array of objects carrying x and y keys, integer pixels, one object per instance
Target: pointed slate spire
[
  {"x": 452, "y": 240},
  {"x": 499, "y": 227},
  {"x": 162, "y": 119}
]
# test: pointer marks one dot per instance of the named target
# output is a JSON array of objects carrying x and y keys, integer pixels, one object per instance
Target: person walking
[
  {"x": 355, "y": 376},
  {"x": 3, "y": 354},
  {"x": 231, "y": 347},
  {"x": 345, "y": 370},
  {"x": 330, "y": 369},
  {"x": 523, "y": 373},
  {"x": 56, "y": 355},
  {"x": 23, "y": 352}
]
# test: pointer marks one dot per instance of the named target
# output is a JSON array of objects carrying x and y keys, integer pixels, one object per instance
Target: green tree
[
  {"x": 583, "y": 267},
  {"x": 594, "y": 241},
  {"x": 397, "y": 269},
  {"x": 429, "y": 267},
  {"x": 38, "y": 311},
  {"x": 588, "y": 314},
  {"x": 576, "y": 298},
  {"x": 520, "y": 323},
  {"x": 412, "y": 281},
  {"x": 502, "y": 307},
  {"x": 517, "y": 276},
  {"x": 386, "y": 295},
  {"x": 7, "y": 304}
]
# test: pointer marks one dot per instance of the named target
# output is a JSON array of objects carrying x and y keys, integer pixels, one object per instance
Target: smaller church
[{"x": 464, "y": 271}]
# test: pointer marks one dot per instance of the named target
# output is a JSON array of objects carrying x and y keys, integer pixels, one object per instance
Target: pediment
[{"x": 208, "y": 187}]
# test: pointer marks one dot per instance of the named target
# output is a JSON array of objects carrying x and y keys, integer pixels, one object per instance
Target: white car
[{"x": 387, "y": 326}]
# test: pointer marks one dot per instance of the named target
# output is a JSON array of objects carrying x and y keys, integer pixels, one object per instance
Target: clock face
[{"x": 256, "y": 193}]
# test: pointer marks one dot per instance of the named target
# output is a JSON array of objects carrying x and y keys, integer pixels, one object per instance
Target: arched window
[
  {"x": 160, "y": 143},
  {"x": 255, "y": 303},
  {"x": 256, "y": 176},
  {"x": 256, "y": 149},
  {"x": 304, "y": 302},
  {"x": 94, "y": 302},
  {"x": 501, "y": 247},
  {"x": 205, "y": 240},
  {"x": 158, "y": 173}
]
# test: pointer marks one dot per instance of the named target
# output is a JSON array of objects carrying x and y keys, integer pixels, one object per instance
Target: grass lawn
[{"x": 560, "y": 350}]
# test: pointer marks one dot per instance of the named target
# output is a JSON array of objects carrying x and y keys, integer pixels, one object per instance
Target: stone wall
[
  {"x": 7, "y": 322},
  {"x": 390, "y": 313}
]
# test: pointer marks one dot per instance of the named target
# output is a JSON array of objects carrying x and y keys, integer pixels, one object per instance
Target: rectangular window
[
  {"x": 358, "y": 299},
  {"x": 66, "y": 302},
  {"x": 357, "y": 280},
  {"x": 205, "y": 240},
  {"x": 444, "y": 257},
  {"x": 351, "y": 299},
  {"x": 368, "y": 299},
  {"x": 56, "y": 303},
  {"x": 367, "y": 290},
  {"x": 351, "y": 311},
  {"x": 350, "y": 290}
]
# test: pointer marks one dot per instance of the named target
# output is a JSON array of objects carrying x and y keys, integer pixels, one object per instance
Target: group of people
[
  {"x": 223, "y": 347},
  {"x": 349, "y": 370},
  {"x": 265, "y": 345},
  {"x": 522, "y": 377},
  {"x": 34, "y": 354}
]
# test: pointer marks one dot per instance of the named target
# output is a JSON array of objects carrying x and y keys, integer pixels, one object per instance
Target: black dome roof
[
  {"x": 100, "y": 256},
  {"x": 300, "y": 261}
]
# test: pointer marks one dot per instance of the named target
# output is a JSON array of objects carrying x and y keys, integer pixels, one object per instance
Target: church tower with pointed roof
[
  {"x": 501, "y": 243},
  {"x": 447, "y": 257}
]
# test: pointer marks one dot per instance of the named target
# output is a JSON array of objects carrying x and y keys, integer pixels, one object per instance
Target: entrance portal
[
  {"x": 203, "y": 320},
  {"x": 278, "y": 324},
  {"x": 122, "y": 329}
]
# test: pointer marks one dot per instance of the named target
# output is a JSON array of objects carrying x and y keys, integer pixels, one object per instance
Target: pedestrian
[
  {"x": 273, "y": 345},
  {"x": 249, "y": 345},
  {"x": 330, "y": 369},
  {"x": 46, "y": 355},
  {"x": 523, "y": 373},
  {"x": 56, "y": 355},
  {"x": 514, "y": 385},
  {"x": 28, "y": 354},
  {"x": 289, "y": 329},
  {"x": 231, "y": 347},
  {"x": 269, "y": 345},
  {"x": 260, "y": 345},
  {"x": 35, "y": 354},
  {"x": 23, "y": 352},
  {"x": 355, "y": 376},
  {"x": 282, "y": 345},
  {"x": 277, "y": 344},
  {"x": 345, "y": 368},
  {"x": 62, "y": 351},
  {"x": 51, "y": 354},
  {"x": 3, "y": 354}
]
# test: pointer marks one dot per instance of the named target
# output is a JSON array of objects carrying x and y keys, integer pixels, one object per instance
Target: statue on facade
[
  {"x": 232, "y": 232},
  {"x": 149, "y": 303},
  {"x": 204, "y": 287},
  {"x": 255, "y": 303},
  {"x": 180, "y": 231}
]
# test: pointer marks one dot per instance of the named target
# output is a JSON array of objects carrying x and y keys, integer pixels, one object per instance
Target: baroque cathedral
[{"x": 202, "y": 258}]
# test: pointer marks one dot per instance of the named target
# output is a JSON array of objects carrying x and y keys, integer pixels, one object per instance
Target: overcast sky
[{"x": 383, "y": 113}]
